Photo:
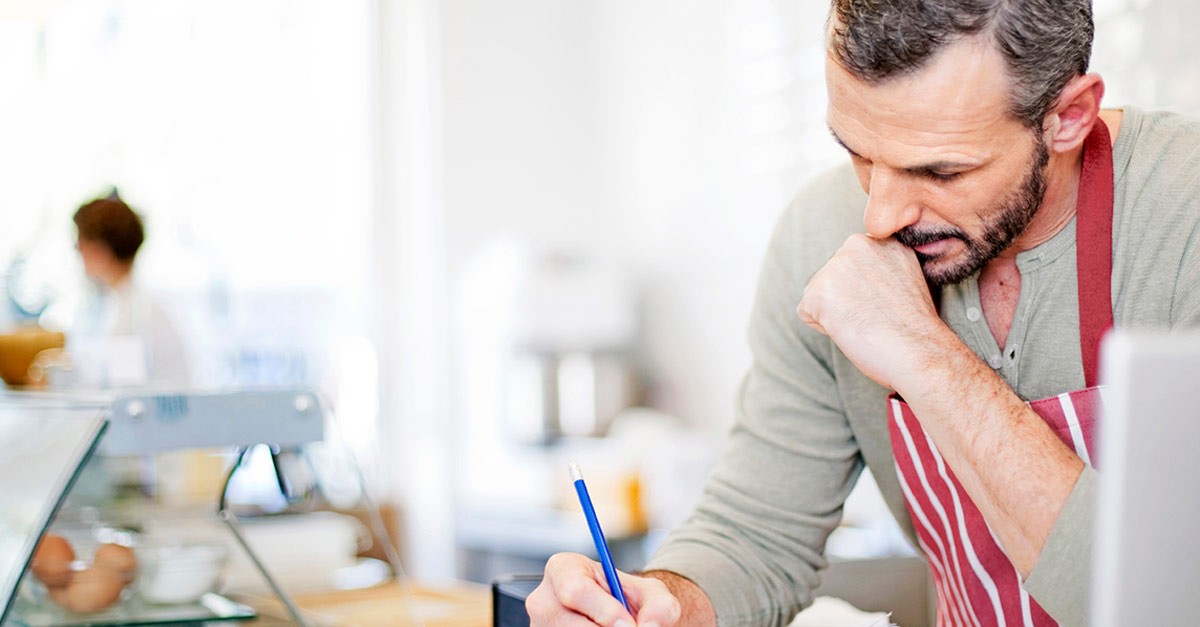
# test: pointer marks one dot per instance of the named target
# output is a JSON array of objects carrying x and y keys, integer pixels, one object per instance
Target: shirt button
[
  {"x": 995, "y": 362},
  {"x": 973, "y": 314}
]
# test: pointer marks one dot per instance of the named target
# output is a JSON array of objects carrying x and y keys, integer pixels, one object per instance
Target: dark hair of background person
[
  {"x": 111, "y": 221},
  {"x": 1045, "y": 43}
]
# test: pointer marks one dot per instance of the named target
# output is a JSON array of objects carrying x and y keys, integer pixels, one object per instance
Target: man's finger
[
  {"x": 807, "y": 318},
  {"x": 586, "y": 596},
  {"x": 654, "y": 603}
]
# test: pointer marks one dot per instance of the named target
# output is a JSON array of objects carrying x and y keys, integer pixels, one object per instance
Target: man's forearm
[
  {"x": 697, "y": 609},
  {"x": 1015, "y": 469}
]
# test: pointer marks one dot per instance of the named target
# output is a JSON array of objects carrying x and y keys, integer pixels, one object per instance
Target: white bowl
[{"x": 183, "y": 573}]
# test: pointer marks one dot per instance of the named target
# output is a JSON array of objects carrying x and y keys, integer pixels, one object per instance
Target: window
[{"x": 241, "y": 133}]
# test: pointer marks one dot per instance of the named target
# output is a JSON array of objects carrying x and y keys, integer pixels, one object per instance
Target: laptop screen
[
  {"x": 43, "y": 444},
  {"x": 1146, "y": 565}
]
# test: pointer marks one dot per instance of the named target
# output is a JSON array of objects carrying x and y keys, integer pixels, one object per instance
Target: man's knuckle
[
  {"x": 555, "y": 561},
  {"x": 573, "y": 592},
  {"x": 674, "y": 611},
  {"x": 536, "y": 603}
]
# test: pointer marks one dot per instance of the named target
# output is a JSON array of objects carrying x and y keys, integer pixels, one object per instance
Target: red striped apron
[{"x": 975, "y": 582}]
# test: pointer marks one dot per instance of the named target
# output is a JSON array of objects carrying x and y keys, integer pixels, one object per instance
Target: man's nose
[{"x": 891, "y": 205}]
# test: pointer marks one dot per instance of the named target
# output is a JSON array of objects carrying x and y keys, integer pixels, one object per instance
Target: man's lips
[{"x": 935, "y": 248}]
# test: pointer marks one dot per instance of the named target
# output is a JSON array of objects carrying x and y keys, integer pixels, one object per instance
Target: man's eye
[{"x": 943, "y": 177}]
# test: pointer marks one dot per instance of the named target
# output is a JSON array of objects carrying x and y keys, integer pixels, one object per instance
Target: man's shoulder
[
  {"x": 1158, "y": 170},
  {"x": 836, "y": 190},
  {"x": 1156, "y": 221},
  {"x": 1163, "y": 154},
  {"x": 1164, "y": 123}
]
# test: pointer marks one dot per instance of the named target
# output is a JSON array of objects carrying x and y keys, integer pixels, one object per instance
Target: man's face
[{"x": 949, "y": 171}]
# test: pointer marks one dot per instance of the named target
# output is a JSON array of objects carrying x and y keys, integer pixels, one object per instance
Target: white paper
[{"x": 832, "y": 612}]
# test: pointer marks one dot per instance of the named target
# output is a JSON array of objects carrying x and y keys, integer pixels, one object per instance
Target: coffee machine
[{"x": 570, "y": 364}]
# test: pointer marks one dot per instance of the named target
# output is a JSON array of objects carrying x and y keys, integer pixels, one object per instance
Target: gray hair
[{"x": 1045, "y": 43}]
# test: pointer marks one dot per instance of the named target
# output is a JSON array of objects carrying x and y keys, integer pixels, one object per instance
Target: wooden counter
[{"x": 390, "y": 605}]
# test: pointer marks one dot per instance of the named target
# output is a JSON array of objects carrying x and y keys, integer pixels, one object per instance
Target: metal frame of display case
[{"x": 154, "y": 423}]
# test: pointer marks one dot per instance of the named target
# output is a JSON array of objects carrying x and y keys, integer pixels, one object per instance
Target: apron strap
[{"x": 1093, "y": 247}]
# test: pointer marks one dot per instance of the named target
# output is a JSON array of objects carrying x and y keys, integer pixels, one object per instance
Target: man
[
  {"x": 125, "y": 337},
  {"x": 1007, "y": 222}
]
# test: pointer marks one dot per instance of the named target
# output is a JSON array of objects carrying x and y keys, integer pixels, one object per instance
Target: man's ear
[{"x": 1075, "y": 113}]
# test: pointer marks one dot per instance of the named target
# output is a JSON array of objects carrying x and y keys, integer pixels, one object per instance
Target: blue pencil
[{"x": 610, "y": 571}]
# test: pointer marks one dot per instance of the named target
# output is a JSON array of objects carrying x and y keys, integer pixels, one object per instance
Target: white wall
[
  {"x": 520, "y": 123},
  {"x": 661, "y": 132},
  {"x": 1146, "y": 50},
  {"x": 706, "y": 105}
]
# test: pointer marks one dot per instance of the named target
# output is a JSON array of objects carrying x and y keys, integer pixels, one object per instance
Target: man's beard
[{"x": 1005, "y": 224}]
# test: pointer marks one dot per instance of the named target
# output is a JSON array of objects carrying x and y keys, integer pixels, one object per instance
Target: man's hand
[
  {"x": 573, "y": 592},
  {"x": 872, "y": 300}
]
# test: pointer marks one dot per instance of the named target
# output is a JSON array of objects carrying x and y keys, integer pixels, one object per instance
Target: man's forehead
[{"x": 963, "y": 92}]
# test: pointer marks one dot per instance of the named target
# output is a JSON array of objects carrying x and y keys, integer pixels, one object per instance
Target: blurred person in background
[{"x": 124, "y": 337}]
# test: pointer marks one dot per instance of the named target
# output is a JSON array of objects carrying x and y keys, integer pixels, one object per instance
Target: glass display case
[
  {"x": 43, "y": 444},
  {"x": 102, "y": 525}
]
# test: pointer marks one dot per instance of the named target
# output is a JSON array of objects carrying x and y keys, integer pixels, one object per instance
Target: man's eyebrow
[
  {"x": 926, "y": 169},
  {"x": 839, "y": 141},
  {"x": 938, "y": 167}
]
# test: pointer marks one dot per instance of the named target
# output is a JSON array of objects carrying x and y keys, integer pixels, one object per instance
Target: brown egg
[
  {"x": 93, "y": 589},
  {"x": 59, "y": 595},
  {"x": 52, "y": 561},
  {"x": 116, "y": 557}
]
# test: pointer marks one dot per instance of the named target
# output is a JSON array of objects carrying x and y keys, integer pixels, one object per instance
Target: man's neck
[
  {"x": 1000, "y": 280},
  {"x": 1062, "y": 194}
]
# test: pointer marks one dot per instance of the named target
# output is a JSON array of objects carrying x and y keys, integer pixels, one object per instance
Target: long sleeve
[{"x": 755, "y": 542}]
